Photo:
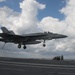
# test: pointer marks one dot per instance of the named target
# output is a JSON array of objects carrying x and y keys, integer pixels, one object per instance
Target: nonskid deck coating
[{"x": 21, "y": 66}]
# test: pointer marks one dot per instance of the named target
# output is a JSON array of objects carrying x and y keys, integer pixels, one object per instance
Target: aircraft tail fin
[
  {"x": 5, "y": 30},
  {"x": 11, "y": 32}
]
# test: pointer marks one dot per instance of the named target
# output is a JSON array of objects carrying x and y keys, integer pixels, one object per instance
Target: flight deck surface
[{"x": 21, "y": 66}]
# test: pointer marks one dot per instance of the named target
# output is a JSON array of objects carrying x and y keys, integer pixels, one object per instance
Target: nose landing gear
[{"x": 44, "y": 45}]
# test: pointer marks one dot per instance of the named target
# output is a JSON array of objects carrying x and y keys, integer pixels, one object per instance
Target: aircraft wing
[
  {"x": 24, "y": 39},
  {"x": 27, "y": 43},
  {"x": 4, "y": 40},
  {"x": 32, "y": 42},
  {"x": 21, "y": 37}
]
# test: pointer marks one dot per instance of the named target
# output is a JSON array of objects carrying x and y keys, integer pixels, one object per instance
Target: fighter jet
[{"x": 33, "y": 38}]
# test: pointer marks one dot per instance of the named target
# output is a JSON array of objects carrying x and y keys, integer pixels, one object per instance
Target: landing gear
[
  {"x": 19, "y": 46},
  {"x": 44, "y": 44},
  {"x": 24, "y": 47}
]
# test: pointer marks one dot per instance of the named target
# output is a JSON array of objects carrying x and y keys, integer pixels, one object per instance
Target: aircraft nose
[
  {"x": 63, "y": 36},
  {"x": 60, "y": 36}
]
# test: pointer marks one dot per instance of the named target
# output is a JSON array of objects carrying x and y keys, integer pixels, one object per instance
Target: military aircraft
[{"x": 34, "y": 38}]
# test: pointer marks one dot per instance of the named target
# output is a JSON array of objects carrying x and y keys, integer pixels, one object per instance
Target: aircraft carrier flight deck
[{"x": 21, "y": 66}]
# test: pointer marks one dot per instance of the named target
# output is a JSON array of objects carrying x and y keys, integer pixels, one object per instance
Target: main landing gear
[
  {"x": 19, "y": 46},
  {"x": 24, "y": 47}
]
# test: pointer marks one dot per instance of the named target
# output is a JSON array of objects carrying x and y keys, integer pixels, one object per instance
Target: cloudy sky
[{"x": 26, "y": 16}]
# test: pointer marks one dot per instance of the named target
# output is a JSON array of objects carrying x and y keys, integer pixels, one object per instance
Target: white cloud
[
  {"x": 66, "y": 26},
  {"x": 2, "y": 0},
  {"x": 52, "y": 24},
  {"x": 69, "y": 12},
  {"x": 26, "y": 21},
  {"x": 4, "y": 14}
]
